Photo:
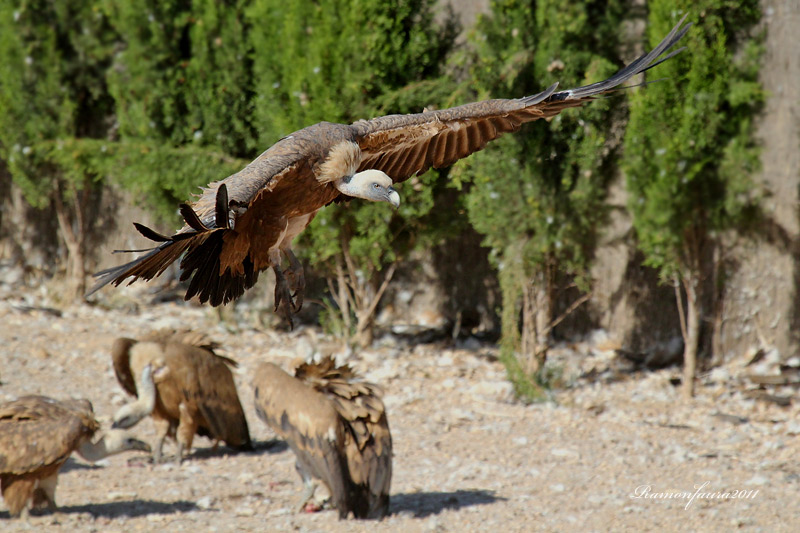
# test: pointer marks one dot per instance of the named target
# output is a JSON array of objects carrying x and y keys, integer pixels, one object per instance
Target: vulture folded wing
[
  {"x": 215, "y": 397},
  {"x": 36, "y": 431},
  {"x": 308, "y": 422},
  {"x": 406, "y": 145}
]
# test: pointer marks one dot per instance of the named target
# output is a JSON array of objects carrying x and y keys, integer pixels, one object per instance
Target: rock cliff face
[{"x": 761, "y": 298}]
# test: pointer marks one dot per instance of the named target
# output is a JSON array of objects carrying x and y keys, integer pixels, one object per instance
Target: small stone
[
  {"x": 563, "y": 452},
  {"x": 758, "y": 479},
  {"x": 121, "y": 495},
  {"x": 793, "y": 427},
  {"x": 205, "y": 502}
]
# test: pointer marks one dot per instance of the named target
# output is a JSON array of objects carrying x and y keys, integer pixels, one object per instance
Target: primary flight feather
[{"x": 246, "y": 222}]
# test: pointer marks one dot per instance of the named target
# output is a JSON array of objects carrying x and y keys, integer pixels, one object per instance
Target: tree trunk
[
  {"x": 343, "y": 298},
  {"x": 74, "y": 236},
  {"x": 536, "y": 317},
  {"x": 692, "y": 336}
]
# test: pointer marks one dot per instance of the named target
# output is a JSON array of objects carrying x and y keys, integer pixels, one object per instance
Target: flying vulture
[
  {"x": 37, "y": 436},
  {"x": 244, "y": 223},
  {"x": 186, "y": 387},
  {"x": 336, "y": 426}
]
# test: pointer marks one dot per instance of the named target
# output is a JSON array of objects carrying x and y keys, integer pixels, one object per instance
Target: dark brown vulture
[
  {"x": 243, "y": 224},
  {"x": 37, "y": 436},
  {"x": 186, "y": 387},
  {"x": 336, "y": 426}
]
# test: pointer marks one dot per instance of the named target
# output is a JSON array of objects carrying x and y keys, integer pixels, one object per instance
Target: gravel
[{"x": 467, "y": 456}]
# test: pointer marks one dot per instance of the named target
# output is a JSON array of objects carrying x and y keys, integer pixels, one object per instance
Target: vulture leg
[
  {"x": 17, "y": 492},
  {"x": 162, "y": 427},
  {"x": 283, "y": 296},
  {"x": 44, "y": 497},
  {"x": 296, "y": 278},
  {"x": 187, "y": 426},
  {"x": 307, "y": 503}
]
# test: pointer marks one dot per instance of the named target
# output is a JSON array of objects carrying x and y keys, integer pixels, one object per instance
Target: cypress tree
[
  {"x": 537, "y": 196},
  {"x": 181, "y": 84},
  {"x": 54, "y": 107},
  {"x": 689, "y": 151}
]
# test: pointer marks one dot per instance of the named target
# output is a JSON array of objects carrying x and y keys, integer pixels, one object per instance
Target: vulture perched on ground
[
  {"x": 184, "y": 385},
  {"x": 37, "y": 436},
  {"x": 336, "y": 426},
  {"x": 245, "y": 223}
]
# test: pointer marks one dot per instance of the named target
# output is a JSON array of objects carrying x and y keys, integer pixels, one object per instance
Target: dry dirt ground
[{"x": 467, "y": 456}]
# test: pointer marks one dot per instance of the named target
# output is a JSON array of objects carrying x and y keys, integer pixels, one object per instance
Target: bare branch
[
  {"x": 566, "y": 313},
  {"x": 362, "y": 320},
  {"x": 681, "y": 315}
]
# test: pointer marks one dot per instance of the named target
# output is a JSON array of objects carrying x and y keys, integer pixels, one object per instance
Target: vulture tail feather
[
  {"x": 221, "y": 208},
  {"x": 150, "y": 234},
  {"x": 200, "y": 246},
  {"x": 192, "y": 219}
]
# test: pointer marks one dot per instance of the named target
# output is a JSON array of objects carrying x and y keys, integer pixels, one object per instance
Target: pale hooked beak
[{"x": 394, "y": 198}]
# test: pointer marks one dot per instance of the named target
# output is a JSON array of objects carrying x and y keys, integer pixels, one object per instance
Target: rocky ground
[{"x": 467, "y": 456}]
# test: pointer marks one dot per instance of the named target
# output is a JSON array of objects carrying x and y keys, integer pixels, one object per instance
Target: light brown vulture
[
  {"x": 186, "y": 387},
  {"x": 243, "y": 224},
  {"x": 336, "y": 425},
  {"x": 37, "y": 436}
]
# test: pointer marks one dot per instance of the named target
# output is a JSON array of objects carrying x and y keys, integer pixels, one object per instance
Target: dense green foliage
[
  {"x": 538, "y": 195},
  {"x": 52, "y": 86},
  {"x": 689, "y": 147},
  {"x": 182, "y": 85}
]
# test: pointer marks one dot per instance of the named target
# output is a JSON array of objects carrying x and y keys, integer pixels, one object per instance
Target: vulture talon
[
  {"x": 297, "y": 284},
  {"x": 284, "y": 301},
  {"x": 296, "y": 279}
]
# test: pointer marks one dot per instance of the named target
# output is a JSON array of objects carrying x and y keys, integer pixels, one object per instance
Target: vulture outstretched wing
[
  {"x": 243, "y": 224},
  {"x": 406, "y": 145}
]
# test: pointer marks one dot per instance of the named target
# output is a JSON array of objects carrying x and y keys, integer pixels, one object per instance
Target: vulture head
[
  {"x": 372, "y": 185},
  {"x": 114, "y": 441}
]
